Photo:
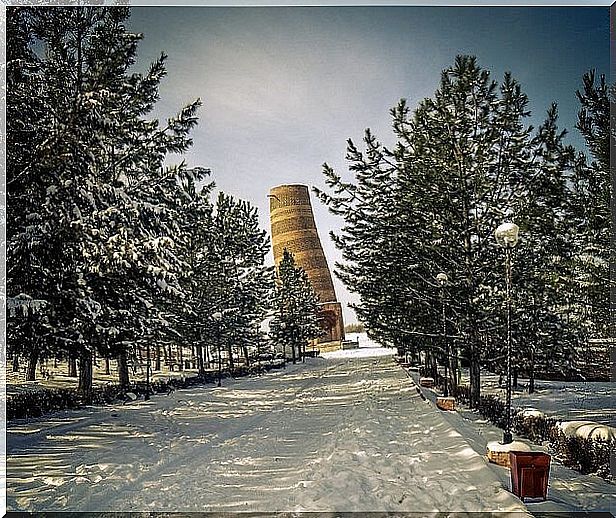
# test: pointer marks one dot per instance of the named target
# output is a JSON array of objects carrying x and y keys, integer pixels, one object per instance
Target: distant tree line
[
  {"x": 465, "y": 161},
  {"x": 108, "y": 247},
  {"x": 356, "y": 327}
]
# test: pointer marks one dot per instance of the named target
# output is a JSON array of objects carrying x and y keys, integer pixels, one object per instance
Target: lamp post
[
  {"x": 217, "y": 317},
  {"x": 507, "y": 237},
  {"x": 442, "y": 280}
]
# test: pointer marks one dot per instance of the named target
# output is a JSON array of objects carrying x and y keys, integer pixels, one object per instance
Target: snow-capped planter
[
  {"x": 587, "y": 430},
  {"x": 498, "y": 453},
  {"x": 426, "y": 382},
  {"x": 531, "y": 412},
  {"x": 446, "y": 403}
]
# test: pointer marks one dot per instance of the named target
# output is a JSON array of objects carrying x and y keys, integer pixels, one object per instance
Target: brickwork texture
[{"x": 294, "y": 229}]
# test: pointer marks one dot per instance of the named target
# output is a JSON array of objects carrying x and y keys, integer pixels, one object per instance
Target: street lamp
[
  {"x": 217, "y": 317},
  {"x": 507, "y": 237},
  {"x": 442, "y": 280}
]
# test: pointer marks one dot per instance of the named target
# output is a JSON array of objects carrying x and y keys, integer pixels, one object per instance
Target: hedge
[
  {"x": 586, "y": 455},
  {"x": 37, "y": 403}
]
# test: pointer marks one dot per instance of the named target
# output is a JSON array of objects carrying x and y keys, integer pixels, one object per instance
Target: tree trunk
[
  {"x": 107, "y": 369},
  {"x": 72, "y": 367},
  {"x": 475, "y": 380},
  {"x": 451, "y": 364},
  {"x": 15, "y": 363},
  {"x": 85, "y": 372},
  {"x": 157, "y": 362},
  {"x": 170, "y": 358},
  {"x": 531, "y": 374},
  {"x": 515, "y": 377},
  {"x": 32, "y": 361},
  {"x": 181, "y": 357},
  {"x": 230, "y": 354},
  {"x": 246, "y": 356},
  {"x": 433, "y": 367},
  {"x": 200, "y": 363},
  {"x": 123, "y": 377},
  {"x": 531, "y": 381}
]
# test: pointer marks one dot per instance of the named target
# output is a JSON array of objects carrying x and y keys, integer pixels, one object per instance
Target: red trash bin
[{"x": 530, "y": 472}]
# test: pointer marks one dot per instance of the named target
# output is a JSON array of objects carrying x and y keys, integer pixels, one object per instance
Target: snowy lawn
[
  {"x": 16, "y": 381},
  {"x": 346, "y": 432},
  {"x": 569, "y": 491},
  {"x": 570, "y": 401}
]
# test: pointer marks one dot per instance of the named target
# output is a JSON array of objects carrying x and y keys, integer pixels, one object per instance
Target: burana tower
[{"x": 293, "y": 228}]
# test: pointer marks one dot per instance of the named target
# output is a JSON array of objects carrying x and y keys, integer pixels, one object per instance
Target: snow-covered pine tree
[
  {"x": 225, "y": 253},
  {"x": 370, "y": 255},
  {"x": 241, "y": 247},
  {"x": 30, "y": 245},
  {"x": 296, "y": 308},
  {"x": 192, "y": 314},
  {"x": 590, "y": 207},
  {"x": 543, "y": 340},
  {"x": 465, "y": 161},
  {"x": 108, "y": 202}
]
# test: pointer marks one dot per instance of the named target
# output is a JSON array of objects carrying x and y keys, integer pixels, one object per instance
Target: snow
[
  {"x": 346, "y": 432},
  {"x": 532, "y": 412},
  {"x": 567, "y": 400},
  {"x": 587, "y": 430},
  {"x": 568, "y": 490},
  {"x": 498, "y": 446},
  {"x": 367, "y": 348},
  {"x": 16, "y": 382}
]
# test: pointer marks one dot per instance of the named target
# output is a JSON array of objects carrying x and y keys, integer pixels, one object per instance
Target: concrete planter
[
  {"x": 446, "y": 403},
  {"x": 426, "y": 382}
]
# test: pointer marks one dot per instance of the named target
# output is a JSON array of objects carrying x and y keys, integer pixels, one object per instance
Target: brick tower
[{"x": 293, "y": 228}]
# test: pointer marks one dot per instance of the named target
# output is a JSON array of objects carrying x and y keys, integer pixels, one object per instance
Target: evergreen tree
[
  {"x": 239, "y": 249},
  {"x": 105, "y": 201},
  {"x": 295, "y": 321},
  {"x": 30, "y": 243},
  {"x": 225, "y": 252},
  {"x": 590, "y": 210},
  {"x": 465, "y": 161}
]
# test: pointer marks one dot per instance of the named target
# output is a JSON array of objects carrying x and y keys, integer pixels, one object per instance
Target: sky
[{"x": 283, "y": 88}]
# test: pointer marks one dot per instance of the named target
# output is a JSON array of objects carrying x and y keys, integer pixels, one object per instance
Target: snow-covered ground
[
  {"x": 367, "y": 348},
  {"x": 568, "y": 492},
  {"x": 16, "y": 381},
  {"x": 346, "y": 432},
  {"x": 570, "y": 401}
]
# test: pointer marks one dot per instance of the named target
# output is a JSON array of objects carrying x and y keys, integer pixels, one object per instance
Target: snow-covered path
[{"x": 344, "y": 433}]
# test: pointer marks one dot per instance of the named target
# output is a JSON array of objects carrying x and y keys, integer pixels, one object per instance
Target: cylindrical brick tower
[{"x": 293, "y": 228}]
